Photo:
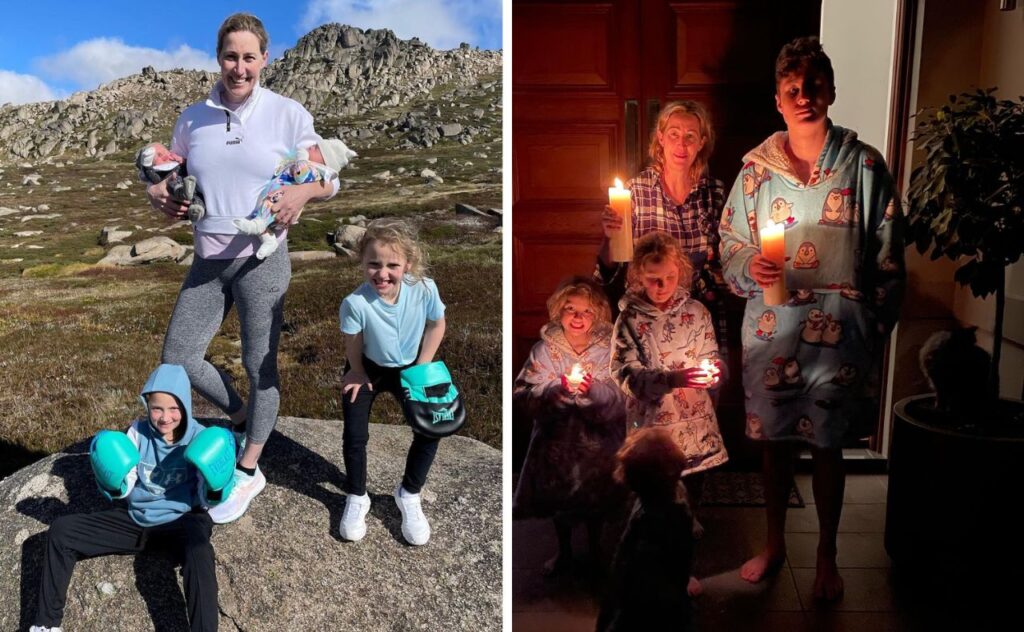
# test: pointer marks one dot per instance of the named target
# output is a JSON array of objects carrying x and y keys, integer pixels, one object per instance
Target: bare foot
[
  {"x": 557, "y": 565},
  {"x": 828, "y": 584},
  {"x": 698, "y": 529},
  {"x": 694, "y": 587},
  {"x": 761, "y": 565}
]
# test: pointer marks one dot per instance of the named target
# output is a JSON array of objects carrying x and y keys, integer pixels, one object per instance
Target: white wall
[{"x": 860, "y": 37}]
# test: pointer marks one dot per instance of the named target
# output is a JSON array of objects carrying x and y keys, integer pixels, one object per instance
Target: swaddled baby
[{"x": 319, "y": 163}]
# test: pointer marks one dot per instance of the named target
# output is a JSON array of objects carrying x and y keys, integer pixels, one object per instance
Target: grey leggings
[{"x": 257, "y": 288}]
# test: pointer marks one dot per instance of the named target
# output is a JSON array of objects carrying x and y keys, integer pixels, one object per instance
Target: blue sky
[{"x": 50, "y": 50}]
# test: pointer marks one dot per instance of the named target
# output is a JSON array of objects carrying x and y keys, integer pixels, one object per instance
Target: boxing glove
[
  {"x": 112, "y": 455},
  {"x": 212, "y": 452}
]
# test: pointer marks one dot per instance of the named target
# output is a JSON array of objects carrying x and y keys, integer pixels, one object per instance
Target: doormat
[{"x": 740, "y": 489}]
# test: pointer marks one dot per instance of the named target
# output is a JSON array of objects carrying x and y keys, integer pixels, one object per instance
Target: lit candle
[
  {"x": 575, "y": 376},
  {"x": 773, "y": 247},
  {"x": 621, "y": 243},
  {"x": 712, "y": 370}
]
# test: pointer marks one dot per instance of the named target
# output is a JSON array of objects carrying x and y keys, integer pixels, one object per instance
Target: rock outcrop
[
  {"x": 348, "y": 70},
  {"x": 159, "y": 248},
  {"x": 335, "y": 71},
  {"x": 283, "y": 566}
]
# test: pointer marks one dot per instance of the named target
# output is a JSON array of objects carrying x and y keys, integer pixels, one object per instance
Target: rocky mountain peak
[
  {"x": 335, "y": 71},
  {"x": 346, "y": 70}
]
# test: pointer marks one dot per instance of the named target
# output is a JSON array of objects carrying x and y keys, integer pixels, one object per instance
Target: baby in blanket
[
  {"x": 319, "y": 163},
  {"x": 156, "y": 163}
]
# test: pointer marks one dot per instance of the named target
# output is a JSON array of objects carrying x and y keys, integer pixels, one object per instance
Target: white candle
[
  {"x": 621, "y": 243},
  {"x": 773, "y": 247}
]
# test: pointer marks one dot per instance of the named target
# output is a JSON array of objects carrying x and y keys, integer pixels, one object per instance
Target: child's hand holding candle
[
  {"x": 712, "y": 369},
  {"x": 576, "y": 381},
  {"x": 703, "y": 376}
]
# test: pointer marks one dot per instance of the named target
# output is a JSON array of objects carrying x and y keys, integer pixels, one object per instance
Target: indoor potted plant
[{"x": 949, "y": 470}]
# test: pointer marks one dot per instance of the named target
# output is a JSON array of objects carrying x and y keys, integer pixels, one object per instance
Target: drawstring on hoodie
[{"x": 228, "y": 115}]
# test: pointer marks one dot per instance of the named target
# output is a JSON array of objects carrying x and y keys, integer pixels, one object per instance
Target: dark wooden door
[{"x": 588, "y": 79}]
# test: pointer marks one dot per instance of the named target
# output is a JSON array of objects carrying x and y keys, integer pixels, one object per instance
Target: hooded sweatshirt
[
  {"x": 843, "y": 228},
  {"x": 163, "y": 486},
  {"x": 810, "y": 364},
  {"x": 571, "y": 456},
  {"x": 233, "y": 152},
  {"x": 650, "y": 343}
]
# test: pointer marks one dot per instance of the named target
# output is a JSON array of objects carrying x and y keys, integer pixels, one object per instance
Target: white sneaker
[
  {"x": 353, "y": 521},
  {"x": 415, "y": 528},
  {"x": 234, "y": 506},
  {"x": 40, "y": 628}
]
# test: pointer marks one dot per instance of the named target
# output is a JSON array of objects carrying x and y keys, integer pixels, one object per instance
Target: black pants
[
  {"x": 82, "y": 536},
  {"x": 357, "y": 432}
]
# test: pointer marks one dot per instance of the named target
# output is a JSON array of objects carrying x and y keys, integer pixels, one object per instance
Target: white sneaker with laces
[
  {"x": 234, "y": 506},
  {"x": 415, "y": 528},
  {"x": 353, "y": 521}
]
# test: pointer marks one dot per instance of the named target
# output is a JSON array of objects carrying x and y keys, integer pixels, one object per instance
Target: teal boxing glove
[
  {"x": 113, "y": 455},
  {"x": 213, "y": 453}
]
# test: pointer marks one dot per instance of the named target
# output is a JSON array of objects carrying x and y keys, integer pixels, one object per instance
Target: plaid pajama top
[{"x": 654, "y": 210}]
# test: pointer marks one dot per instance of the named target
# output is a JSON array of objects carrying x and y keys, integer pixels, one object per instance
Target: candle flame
[
  {"x": 709, "y": 366},
  {"x": 576, "y": 375},
  {"x": 618, "y": 183}
]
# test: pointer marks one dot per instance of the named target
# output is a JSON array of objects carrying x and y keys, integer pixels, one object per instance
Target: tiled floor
[{"x": 876, "y": 600}]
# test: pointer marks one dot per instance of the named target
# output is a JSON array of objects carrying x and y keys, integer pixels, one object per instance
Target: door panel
[
  {"x": 563, "y": 46},
  {"x": 558, "y": 163}
]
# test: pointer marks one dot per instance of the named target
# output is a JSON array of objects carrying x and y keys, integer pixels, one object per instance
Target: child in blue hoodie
[{"x": 168, "y": 468}]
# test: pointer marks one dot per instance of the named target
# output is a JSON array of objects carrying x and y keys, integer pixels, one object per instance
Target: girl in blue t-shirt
[{"x": 393, "y": 320}]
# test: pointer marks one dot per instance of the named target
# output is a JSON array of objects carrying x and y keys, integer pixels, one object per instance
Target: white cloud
[
  {"x": 96, "y": 61},
  {"x": 18, "y": 89},
  {"x": 443, "y": 24}
]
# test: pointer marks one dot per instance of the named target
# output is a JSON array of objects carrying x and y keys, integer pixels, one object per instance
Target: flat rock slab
[{"x": 283, "y": 566}]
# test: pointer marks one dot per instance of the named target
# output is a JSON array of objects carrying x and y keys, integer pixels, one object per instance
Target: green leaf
[{"x": 966, "y": 194}]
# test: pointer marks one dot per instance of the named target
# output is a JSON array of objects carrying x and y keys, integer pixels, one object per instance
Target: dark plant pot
[{"x": 954, "y": 495}]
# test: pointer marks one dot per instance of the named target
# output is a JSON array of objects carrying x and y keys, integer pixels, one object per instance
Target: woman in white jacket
[{"x": 231, "y": 142}]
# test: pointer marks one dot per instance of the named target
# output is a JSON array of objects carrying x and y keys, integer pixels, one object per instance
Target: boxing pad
[{"x": 432, "y": 405}]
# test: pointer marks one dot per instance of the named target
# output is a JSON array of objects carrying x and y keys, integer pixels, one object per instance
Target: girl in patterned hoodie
[
  {"x": 665, "y": 358},
  {"x": 578, "y": 419}
]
